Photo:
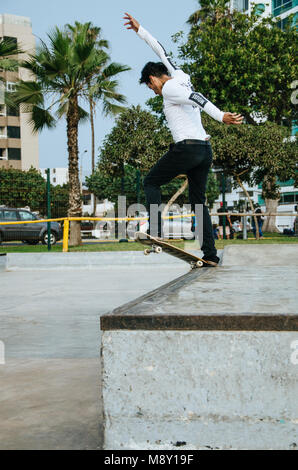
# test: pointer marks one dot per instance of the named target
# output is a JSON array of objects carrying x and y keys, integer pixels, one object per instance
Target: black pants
[{"x": 194, "y": 160}]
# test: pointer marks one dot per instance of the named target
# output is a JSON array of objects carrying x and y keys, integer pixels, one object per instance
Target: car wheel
[
  {"x": 45, "y": 238},
  {"x": 0, "y": 238}
]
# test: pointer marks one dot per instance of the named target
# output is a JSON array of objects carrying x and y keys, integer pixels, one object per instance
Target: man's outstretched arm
[
  {"x": 181, "y": 95},
  {"x": 150, "y": 40}
]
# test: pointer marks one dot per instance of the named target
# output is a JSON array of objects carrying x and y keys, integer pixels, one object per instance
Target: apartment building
[
  {"x": 57, "y": 175},
  {"x": 18, "y": 145},
  {"x": 280, "y": 9}
]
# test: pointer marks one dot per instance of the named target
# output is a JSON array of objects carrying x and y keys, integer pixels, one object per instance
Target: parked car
[
  {"x": 176, "y": 227},
  {"x": 28, "y": 233}
]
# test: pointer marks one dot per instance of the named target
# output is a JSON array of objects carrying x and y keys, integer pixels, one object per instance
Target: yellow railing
[{"x": 122, "y": 219}]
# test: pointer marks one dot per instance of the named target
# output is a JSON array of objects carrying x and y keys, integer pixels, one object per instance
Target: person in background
[
  {"x": 220, "y": 223},
  {"x": 260, "y": 218}
]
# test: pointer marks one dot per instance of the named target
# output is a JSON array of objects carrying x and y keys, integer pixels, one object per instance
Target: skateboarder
[{"x": 191, "y": 154}]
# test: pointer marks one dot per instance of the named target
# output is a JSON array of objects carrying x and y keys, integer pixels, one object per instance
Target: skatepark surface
[{"x": 50, "y": 309}]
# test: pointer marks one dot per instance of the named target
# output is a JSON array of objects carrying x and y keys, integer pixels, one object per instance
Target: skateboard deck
[{"x": 159, "y": 246}]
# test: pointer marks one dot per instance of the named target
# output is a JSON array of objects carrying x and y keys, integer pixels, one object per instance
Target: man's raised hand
[
  {"x": 232, "y": 118},
  {"x": 132, "y": 22}
]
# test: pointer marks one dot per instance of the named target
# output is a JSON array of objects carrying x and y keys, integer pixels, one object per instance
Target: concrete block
[{"x": 226, "y": 390}]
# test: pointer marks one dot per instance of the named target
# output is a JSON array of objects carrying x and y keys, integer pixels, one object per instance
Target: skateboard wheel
[
  {"x": 199, "y": 264},
  {"x": 158, "y": 249},
  {"x": 147, "y": 251}
]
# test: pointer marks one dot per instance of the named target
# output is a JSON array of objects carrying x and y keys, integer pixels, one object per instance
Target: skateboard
[{"x": 158, "y": 246}]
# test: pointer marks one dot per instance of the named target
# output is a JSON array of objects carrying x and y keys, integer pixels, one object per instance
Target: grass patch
[{"x": 270, "y": 238}]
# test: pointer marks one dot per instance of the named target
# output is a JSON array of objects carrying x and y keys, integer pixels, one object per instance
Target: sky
[{"x": 162, "y": 18}]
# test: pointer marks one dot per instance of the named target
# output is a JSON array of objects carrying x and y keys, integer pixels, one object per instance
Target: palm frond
[
  {"x": 62, "y": 109},
  {"x": 111, "y": 108},
  {"x": 114, "y": 69},
  {"x": 83, "y": 115},
  {"x": 8, "y": 47},
  {"x": 9, "y": 65},
  {"x": 28, "y": 92},
  {"x": 41, "y": 118}
]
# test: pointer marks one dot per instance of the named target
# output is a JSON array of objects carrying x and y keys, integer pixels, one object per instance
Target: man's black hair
[{"x": 157, "y": 69}]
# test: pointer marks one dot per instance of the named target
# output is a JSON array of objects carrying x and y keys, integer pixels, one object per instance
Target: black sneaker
[{"x": 212, "y": 260}]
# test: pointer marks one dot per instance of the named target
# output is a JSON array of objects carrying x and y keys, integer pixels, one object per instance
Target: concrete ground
[
  {"x": 49, "y": 324},
  {"x": 50, "y": 304}
]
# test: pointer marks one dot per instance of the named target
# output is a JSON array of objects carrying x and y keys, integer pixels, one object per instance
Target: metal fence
[{"x": 65, "y": 221}]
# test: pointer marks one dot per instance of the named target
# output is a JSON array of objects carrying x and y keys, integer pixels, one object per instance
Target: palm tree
[
  {"x": 8, "y": 62},
  {"x": 214, "y": 9},
  {"x": 65, "y": 70},
  {"x": 103, "y": 88}
]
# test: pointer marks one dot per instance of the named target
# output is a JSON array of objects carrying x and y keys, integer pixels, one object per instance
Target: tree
[
  {"x": 212, "y": 9},
  {"x": 104, "y": 88},
  {"x": 64, "y": 70},
  {"x": 243, "y": 63},
  {"x": 106, "y": 186},
  {"x": 277, "y": 159},
  {"x": 21, "y": 188},
  {"x": 59, "y": 200},
  {"x": 254, "y": 154},
  {"x": 137, "y": 139}
]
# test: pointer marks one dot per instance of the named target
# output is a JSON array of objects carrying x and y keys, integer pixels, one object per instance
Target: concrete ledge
[
  {"x": 206, "y": 359},
  {"x": 261, "y": 255},
  {"x": 94, "y": 260},
  {"x": 187, "y": 304}
]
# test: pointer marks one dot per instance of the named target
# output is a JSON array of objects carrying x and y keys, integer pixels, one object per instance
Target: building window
[
  {"x": 240, "y": 5},
  {"x": 14, "y": 154},
  {"x": 2, "y": 154},
  {"x": 259, "y": 9},
  {"x": 282, "y": 23},
  {"x": 2, "y": 110},
  {"x": 3, "y": 133},
  {"x": 13, "y": 40},
  {"x": 13, "y": 132},
  {"x": 280, "y": 6},
  {"x": 10, "y": 86},
  {"x": 289, "y": 198},
  {"x": 13, "y": 111},
  {"x": 10, "y": 215},
  {"x": 54, "y": 180},
  {"x": 54, "y": 170}
]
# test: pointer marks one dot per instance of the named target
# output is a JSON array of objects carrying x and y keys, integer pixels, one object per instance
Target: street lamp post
[{"x": 81, "y": 170}]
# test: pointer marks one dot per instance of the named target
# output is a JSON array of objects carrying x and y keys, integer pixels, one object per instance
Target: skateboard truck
[{"x": 153, "y": 249}]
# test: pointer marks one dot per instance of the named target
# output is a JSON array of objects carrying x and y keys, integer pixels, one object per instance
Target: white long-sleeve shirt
[{"x": 182, "y": 105}]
